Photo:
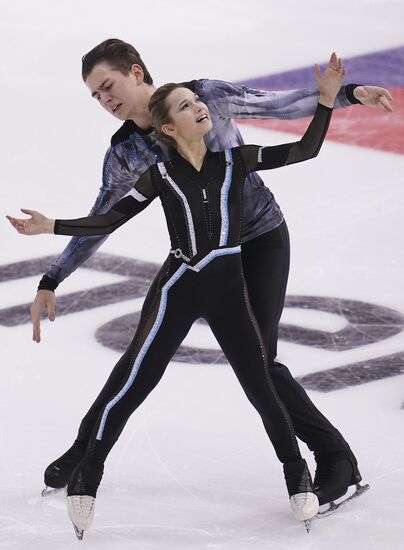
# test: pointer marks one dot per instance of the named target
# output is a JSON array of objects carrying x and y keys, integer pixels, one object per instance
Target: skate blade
[
  {"x": 334, "y": 506},
  {"x": 50, "y": 491},
  {"x": 79, "y": 532},
  {"x": 307, "y": 524}
]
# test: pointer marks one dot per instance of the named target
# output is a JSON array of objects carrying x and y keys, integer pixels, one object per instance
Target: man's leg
[
  {"x": 266, "y": 268},
  {"x": 235, "y": 328}
]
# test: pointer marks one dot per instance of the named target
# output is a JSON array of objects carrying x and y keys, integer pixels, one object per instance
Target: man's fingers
[
  {"x": 36, "y": 323},
  {"x": 36, "y": 331},
  {"x": 51, "y": 312},
  {"x": 51, "y": 305},
  {"x": 43, "y": 300},
  {"x": 382, "y": 92},
  {"x": 384, "y": 104}
]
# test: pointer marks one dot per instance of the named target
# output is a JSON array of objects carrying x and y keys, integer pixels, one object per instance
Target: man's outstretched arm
[{"x": 227, "y": 100}]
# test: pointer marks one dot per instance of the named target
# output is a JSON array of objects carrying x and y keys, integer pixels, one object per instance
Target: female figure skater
[{"x": 201, "y": 193}]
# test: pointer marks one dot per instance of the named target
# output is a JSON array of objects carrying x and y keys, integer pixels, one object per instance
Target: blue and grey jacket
[{"x": 133, "y": 150}]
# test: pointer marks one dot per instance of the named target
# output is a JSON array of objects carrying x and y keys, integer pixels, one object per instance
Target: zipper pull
[{"x": 205, "y": 198}]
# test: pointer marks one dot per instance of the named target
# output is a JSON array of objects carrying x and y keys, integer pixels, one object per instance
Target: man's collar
[{"x": 126, "y": 130}]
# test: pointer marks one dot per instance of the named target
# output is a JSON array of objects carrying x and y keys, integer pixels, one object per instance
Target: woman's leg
[
  {"x": 118, "y": 373},
  {"x": 158, "y": 337}
]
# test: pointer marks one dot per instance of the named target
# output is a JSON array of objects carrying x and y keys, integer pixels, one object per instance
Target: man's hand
[
  {"x": 374, "y": 97},
  {"x": 44, "y": 299}
]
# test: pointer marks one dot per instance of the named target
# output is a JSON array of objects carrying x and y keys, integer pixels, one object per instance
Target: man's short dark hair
[{"x": 120, "y": 55}]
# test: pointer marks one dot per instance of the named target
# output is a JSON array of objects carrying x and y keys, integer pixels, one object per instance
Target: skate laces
[
  {"x": 300, "y": 499},
  {"x": 304, "y": 505},
  {"x": 84, "y": 504}
]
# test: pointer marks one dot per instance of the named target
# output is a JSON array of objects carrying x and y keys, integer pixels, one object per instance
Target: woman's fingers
[
  {"x": 18, "y": 224},
  {"x": 26, "y": 211},
  {"x": 333, "y": 61},
  {"x": 13, "y": 221}
]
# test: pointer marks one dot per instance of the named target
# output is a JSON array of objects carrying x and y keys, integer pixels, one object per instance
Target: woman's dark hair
[
  {"x": 120, "y": 55},
  {"x": 159, "y": 110}
]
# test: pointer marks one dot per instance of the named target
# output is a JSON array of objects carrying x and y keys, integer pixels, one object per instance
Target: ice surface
[{"x": 193, "y": 469}]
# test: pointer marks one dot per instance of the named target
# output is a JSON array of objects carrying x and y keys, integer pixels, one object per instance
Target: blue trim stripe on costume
[
  {"x": 214, "y": 254},
  {"x": 152, "y": 334},
  {"x": 224, "y": 229}
]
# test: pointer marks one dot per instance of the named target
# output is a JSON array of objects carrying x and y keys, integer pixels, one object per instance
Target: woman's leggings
[{"x": 180, "y": 295}]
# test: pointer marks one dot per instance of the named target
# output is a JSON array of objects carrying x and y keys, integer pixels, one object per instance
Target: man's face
[{"x": 119, "y": 94}]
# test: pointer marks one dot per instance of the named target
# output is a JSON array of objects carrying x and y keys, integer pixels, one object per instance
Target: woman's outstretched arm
[
  {"x": 265, "y": 158},
  {"x": 138, "y": 198}
]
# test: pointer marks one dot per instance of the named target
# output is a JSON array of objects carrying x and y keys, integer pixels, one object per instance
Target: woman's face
[{"x": 189, "y": 117}]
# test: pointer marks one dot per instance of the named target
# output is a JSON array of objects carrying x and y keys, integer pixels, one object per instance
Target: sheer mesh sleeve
[
  {"x": 138, "y": 198},
  {"x": 266, "y": 158},
  {"x": 310, "y": 144}
]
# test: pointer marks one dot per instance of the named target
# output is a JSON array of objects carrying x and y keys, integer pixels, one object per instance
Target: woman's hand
[
  {"x": 329, "y": 83},
  {"x": 35, "y": 225}
]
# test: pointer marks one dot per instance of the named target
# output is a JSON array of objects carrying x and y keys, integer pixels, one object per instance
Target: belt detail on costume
[
  {"x": 208, "y": 258},
  {"x": 178, "y": 254}
]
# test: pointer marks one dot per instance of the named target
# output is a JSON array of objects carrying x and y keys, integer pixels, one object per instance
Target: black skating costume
[{"x": 202, "y": 277}]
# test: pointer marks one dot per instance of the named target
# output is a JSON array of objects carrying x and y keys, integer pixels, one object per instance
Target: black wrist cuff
[
  {"x": 349, "y": 89},
  {"x": 47, "y": 283},
  {"x": 322, "y": 107}
]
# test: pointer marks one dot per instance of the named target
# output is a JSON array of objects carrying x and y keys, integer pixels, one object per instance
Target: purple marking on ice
[{"x": 385, "y": 68}]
